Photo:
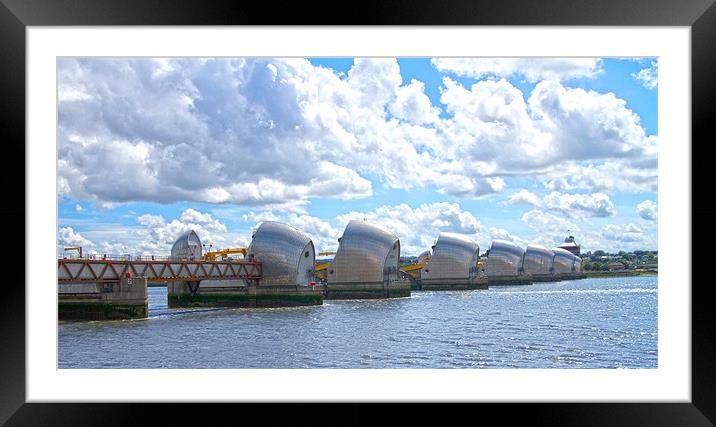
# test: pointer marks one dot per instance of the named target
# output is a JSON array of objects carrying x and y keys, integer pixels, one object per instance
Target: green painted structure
[
  {"x": 453, "y": 284},
  {"x": 347, "y": 290},
  {"x": 237, "y": 294}
]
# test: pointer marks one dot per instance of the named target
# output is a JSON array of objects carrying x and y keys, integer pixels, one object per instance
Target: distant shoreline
[{"x": 623, "y": 273}]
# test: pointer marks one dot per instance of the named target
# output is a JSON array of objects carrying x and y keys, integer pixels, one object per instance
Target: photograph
[
  {"x": 251, "y": 205},
  {"x": 357, "y": 212}
]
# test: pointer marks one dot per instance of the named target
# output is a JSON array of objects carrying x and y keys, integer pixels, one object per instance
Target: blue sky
[
  {"x": 516, "y": 149},
  {"x": 616, "y": 78}
]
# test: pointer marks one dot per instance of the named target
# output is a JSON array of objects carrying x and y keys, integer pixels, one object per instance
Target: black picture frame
[{"x": 17, "y": 15}]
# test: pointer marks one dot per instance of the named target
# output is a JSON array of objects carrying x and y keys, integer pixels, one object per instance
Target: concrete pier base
[
  {"x": 237, "y": 294},
  {"x": 546, "y": 278},
  {"x": 509, "y": 280},
  {"x": 396, "y": 289},
  {"x": 573, "y": 276},
  {"x": 103, "y": 301},
  {"x": 453, "y": 284}
]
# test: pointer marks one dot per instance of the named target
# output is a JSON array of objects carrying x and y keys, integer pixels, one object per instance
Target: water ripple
[{"x": 591, "y": 323}]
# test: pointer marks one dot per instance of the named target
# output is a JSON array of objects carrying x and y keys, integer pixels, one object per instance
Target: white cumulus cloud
[
  {"x": 575, "y": 205},
  {"x": 274, "y": 133},
  {"x": 68, "y": 237},
  {"x": 649, "y": 77},
  {"x": 413, "y": 105},
  {"x": 158, "y": 235},
  {"x": 525, "y": 196},
  {"x": 610, "y": 176},
  {"x": 571, "y": 205},
  {"x": 623, "y": 232},
  {"x": 647, "y": 210},
  {"x": 532, "y": 69}
]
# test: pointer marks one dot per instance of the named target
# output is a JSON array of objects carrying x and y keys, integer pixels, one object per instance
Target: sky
[{"x": 518, "y": 149}]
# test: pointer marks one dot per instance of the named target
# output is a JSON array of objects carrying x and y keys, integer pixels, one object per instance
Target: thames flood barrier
[
  {"x": 125, "y": 299},
  {"x": 505, "y": 265},
  {"x": 567, "y": 263},
  {"x": 567, "y": 266},
  {"x": 453, "y": 265},
  {"x": 286, "y": 256},
  {"x": 539, "y": 262},
  {"x": 366, "y": 265},
  {"x": 279, "y": 269}
]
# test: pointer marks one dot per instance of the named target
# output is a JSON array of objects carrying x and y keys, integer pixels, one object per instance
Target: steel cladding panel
[
  {"x": 577, "y": 264},
  {"x": 280, "y": 248},
  {"x": 363, "y": 254},
  {"x": 563, "y": 260},
  {"x": 505, "y": 259},
  {"x": 454, "y": 257},
  {"x": 187, "y": 246},
  {"x": 538, "y": 259}
]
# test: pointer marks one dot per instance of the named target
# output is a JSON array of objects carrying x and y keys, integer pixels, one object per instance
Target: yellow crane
[{"x": 213, "y": 255}]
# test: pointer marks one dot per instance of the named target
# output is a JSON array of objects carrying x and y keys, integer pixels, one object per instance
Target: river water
[{"x": 589, "y": 323}]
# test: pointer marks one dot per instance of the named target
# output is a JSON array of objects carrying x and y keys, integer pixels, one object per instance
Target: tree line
[{"x": 600, "y": 260}]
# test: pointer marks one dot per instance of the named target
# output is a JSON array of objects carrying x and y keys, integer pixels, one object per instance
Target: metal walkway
[{"x": 106, "y": 271}]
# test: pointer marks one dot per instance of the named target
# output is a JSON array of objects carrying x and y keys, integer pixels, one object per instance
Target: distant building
[
  {"x": 615, "y": 266},
  {"x": 570, "y": 245}
]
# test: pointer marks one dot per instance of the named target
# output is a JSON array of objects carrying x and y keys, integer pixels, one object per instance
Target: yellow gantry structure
[
  {"x": 411, "y": 267},
  {"x": 320, "y": 270},
  {"x": 78, "y": 249},
  {"x": 321, "y": 267},
  {"x": 414, "y": 269},
  {"x": 213, "y": 255}
]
